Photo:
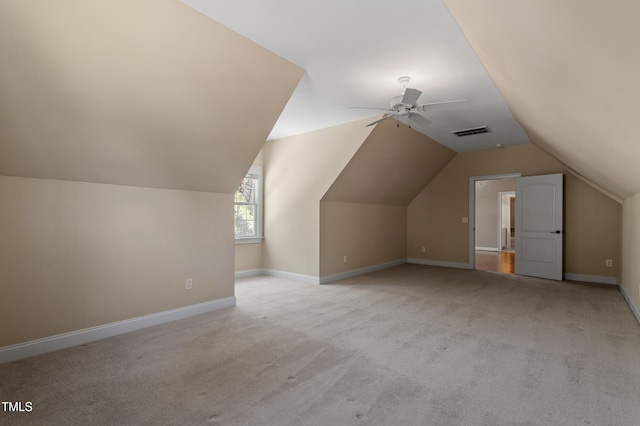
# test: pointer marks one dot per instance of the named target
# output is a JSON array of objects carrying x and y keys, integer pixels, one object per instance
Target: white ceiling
[{"x": 353, "y": 53}]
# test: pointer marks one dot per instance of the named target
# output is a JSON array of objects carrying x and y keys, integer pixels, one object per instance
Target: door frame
[
  {"x": 472, "y": 210},
  {"x": 512, "y": 194}
]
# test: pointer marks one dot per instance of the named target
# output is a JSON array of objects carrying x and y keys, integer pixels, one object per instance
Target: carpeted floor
[{"x": 410, "y": 345}]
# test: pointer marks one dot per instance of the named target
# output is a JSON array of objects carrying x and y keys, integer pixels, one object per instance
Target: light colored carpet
[{"x": 410, "y": 345}]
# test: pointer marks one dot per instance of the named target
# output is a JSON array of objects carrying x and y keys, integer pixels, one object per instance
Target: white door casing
[
  {"x": 472, "y": 212},
  {"x": 501, "y": 218},
  {"x": 539, "y": 228}
]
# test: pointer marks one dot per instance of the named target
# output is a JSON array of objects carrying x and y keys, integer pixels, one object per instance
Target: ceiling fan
[{"x": 404, "y": 105}]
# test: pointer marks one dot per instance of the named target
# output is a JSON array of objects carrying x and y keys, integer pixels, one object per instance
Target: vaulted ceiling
[
  {"x": 153, "y": 93},
  {"x": 570, "y": 72},
  {"x": 353, "y": 53},
  {"x": 567, "y": 71},
  {"x": 143, "y": 93}
]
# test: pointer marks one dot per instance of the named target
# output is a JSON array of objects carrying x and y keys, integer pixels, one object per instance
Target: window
[{"x": 248, "y": 207}]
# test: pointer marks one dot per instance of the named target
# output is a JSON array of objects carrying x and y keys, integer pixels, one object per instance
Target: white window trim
[
  {"x": 256, "y": 170},
  {"x": 249, "y": 240}
]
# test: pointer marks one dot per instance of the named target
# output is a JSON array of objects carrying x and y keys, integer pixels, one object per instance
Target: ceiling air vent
[{"x": 472, "y": 131}]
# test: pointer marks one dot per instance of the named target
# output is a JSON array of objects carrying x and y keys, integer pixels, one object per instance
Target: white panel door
[{"x": 539, "y": 226}]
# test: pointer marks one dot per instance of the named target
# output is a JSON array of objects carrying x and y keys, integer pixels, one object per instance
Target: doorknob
[{"x": 555, "y": 232}]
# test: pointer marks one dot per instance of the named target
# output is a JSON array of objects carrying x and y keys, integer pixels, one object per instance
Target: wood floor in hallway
[{"x": 495, "y": 261}]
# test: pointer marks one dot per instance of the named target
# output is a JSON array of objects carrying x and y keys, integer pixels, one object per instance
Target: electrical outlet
[
  {"x": 608, "y": 263},
  {"x": 465, "y": 220},
  {"x": 424, "y": 249},
  {"x": 189, "y": 284},
  {"x": 345, "y": 259}
]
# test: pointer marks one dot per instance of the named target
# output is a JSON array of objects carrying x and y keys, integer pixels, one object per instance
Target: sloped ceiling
[
  {"x": 570, "y": 73},
  {"x": 391, "y": 167},
  {"x": 353, "y": 53},
  {"x": 143, "y": 93}
]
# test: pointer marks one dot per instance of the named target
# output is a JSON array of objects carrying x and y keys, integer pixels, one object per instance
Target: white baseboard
[
  {"x": 79, "y": 337},
  {"x": 280, "y": 274},
  {"x": 634, "y": 308},
  {"x": 249, "y": 273},
  {"x": 355, "y": 272},
  {"x": 292, "y": 276},
  {"x": 487, "y": 249},
  {"x": 590, "y": 278},
  {"x": 439, "y": 263}
]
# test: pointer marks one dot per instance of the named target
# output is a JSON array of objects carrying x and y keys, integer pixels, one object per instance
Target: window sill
[{"x": 255, "y": 240}]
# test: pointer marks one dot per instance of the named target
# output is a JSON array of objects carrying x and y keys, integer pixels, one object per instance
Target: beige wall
[
  {"x": 368, "y": 234},
  {"x": 248, "y": 257},
  {"x": 146, "y": 93},
  {"x": 592, "y": 230},
  {"x": 487, "y": 215},
  {"x": 75, "y": 255},
  {"x": 391, "y": 167},
  {"x": 568, "y": 72},
  {"x": 298, "y": 171},
  {"x": 363, "y": 214},
  {"x": 630, "y": 278},
  {"x": 592, "y": 220},
  {"x": 380, "y": 166}
]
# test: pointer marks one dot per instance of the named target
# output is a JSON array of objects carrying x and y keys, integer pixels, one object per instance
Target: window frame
[{"x": 257, "y": 171}]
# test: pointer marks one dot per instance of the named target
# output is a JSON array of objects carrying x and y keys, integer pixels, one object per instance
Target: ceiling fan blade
[
  {"x": 377, "y": 109},
  {"x": 441, "y": 106},
  {"x": 419, "y": 119},
  {"x": 377, "y": 121},
  {"x": 410, "y": 96}
]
